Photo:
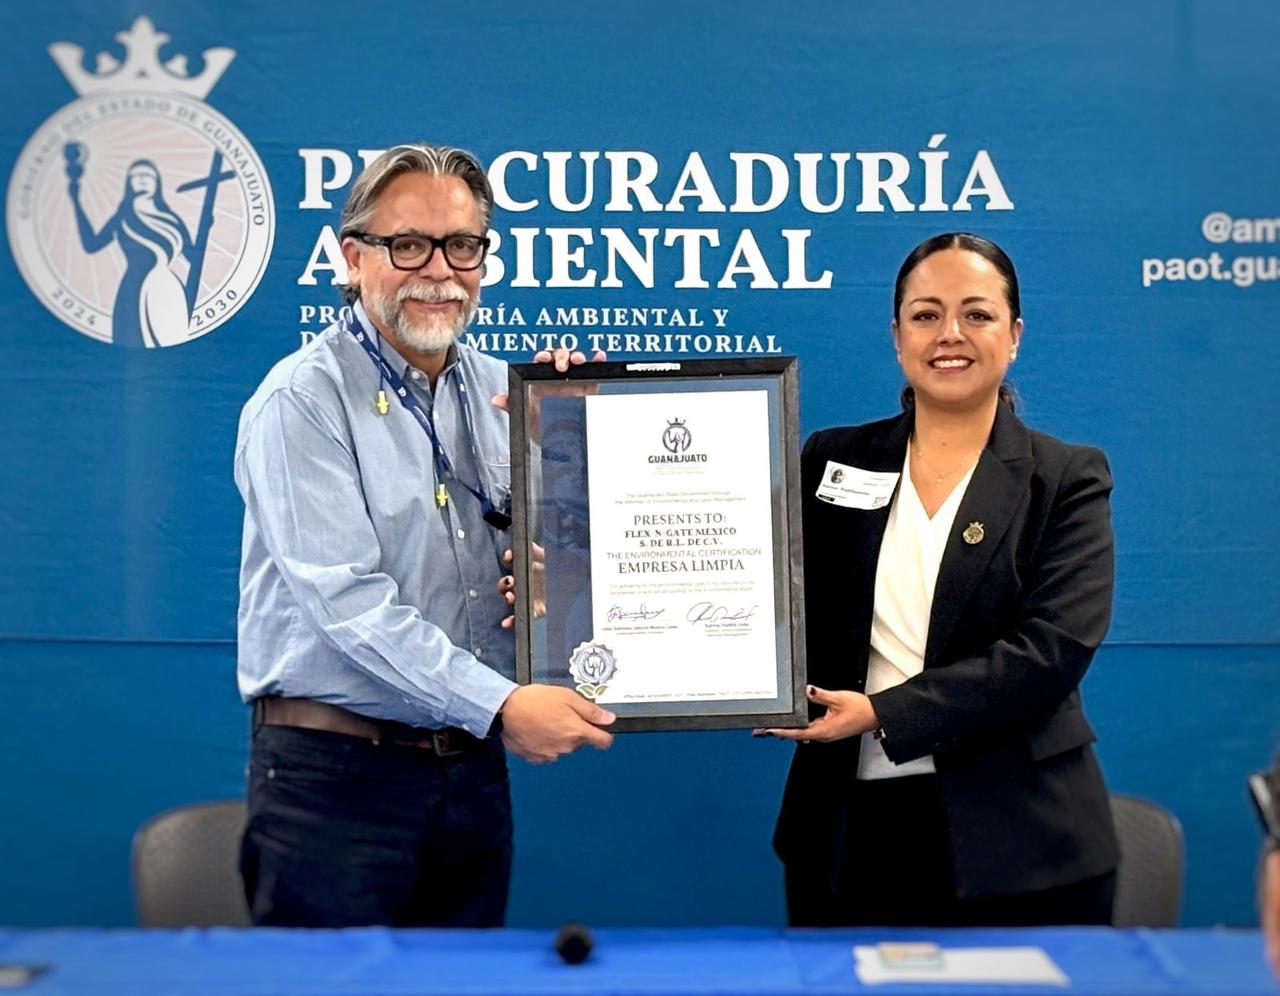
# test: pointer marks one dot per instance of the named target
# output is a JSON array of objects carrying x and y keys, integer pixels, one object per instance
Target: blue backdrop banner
[{"x": 671, "y": 180}]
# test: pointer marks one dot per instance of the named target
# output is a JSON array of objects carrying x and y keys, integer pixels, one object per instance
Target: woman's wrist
[{"x": 871, "y": 722}]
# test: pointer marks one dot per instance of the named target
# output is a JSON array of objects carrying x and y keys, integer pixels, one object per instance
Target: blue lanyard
[{"x": 498, "y": 518}]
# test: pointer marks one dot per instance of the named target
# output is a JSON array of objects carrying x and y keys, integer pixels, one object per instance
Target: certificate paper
[{"x": 682, "y": 558}]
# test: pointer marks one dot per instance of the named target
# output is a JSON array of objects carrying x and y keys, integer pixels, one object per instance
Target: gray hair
[{"x": 417, "y": 157}]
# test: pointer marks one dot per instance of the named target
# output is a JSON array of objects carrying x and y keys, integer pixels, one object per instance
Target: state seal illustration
[
  {"x": 676, "y": 437},
  {"x": 138, "y": 214},
  {"x": 592, "y": 666}
]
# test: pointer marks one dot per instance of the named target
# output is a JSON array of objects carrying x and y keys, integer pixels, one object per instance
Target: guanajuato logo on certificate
[{"x": 138, "y": 214}]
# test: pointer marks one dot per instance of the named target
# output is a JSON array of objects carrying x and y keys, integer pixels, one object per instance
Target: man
[{"x": 374, "y": 473}]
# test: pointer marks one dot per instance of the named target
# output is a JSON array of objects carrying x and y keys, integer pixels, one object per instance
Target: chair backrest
[
  {"x": 1149, "y": 882},
  {"x": 186, "y": 867}
]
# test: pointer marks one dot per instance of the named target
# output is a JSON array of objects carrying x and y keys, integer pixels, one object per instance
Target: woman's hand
[
  {"x": 849, "y": 714},
  {"x": 507, "y": 584}
]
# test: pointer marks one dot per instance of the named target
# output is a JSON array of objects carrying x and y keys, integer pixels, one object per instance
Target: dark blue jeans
[{"x": 343, "y": 832}]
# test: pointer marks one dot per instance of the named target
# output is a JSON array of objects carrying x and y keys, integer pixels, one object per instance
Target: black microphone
[{"x": 574, "y": 943}]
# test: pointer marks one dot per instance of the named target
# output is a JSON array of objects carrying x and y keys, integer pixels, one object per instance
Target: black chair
[
  {"x": 186, "y": 867},
  {"x": 1152, "y": 861}
]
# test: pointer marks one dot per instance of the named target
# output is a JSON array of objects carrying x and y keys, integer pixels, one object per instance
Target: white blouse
[{"x": 906, "y": 574}]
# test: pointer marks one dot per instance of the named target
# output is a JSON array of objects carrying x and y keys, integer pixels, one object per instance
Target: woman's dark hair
[{"x": 989, "y": 251}]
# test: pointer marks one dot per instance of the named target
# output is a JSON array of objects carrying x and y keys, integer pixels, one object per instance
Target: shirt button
[
  {"x": 476, "y": 651},
  {"x": 462, "y": 534},
  {"x": 472, "y": 593},
  {"x": 416, "y": 375},
  {"x": 448, "y": 475}
]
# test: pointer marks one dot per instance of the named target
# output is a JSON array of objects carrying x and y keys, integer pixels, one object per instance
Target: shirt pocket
[{"x": 497, "y": 479}]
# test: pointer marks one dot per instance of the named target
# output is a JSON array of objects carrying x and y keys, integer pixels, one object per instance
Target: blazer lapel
[
  {"x": 865, "y": 533},
  {"x": 995, "y": 494}
]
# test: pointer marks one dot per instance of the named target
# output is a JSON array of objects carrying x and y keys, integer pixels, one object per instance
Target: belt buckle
[{"x": 440, "y": 744}]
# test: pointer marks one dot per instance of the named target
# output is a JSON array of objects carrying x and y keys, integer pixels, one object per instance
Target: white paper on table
[{"x": 1020, "y": 965}]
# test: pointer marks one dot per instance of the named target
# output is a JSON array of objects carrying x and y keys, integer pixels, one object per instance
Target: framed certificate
[{"x": 656, "y": 539}]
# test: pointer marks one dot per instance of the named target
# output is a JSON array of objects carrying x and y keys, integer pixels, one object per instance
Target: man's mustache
[{"x": 432, "y": 293}]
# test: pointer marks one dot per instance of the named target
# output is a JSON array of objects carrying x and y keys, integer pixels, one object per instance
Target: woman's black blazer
[{"x": 1016, "y": 619}]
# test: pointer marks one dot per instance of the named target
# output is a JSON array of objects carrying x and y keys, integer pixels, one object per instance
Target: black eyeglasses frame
[{"x": 386, "y": 242}]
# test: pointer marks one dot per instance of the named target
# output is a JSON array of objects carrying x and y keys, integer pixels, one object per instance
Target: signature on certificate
[
  {"x": 705, "y": 612},
  {"x": 617, "y": 613}
]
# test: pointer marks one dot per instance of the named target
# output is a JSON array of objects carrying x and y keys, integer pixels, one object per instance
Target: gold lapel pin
[{"x": 974, "y": 534}]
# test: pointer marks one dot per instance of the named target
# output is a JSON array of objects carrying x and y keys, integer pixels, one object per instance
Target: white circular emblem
[
  {"x": 592, "y": 666},
  {"x": 140, "y": 218}
]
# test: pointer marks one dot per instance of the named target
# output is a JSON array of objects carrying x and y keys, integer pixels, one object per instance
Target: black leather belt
[{"x": 308, "y": 714}]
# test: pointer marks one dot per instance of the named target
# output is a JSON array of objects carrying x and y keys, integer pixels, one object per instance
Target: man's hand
[
  {"x": 544, "y": 722},
  {"x": 849, "y": 714},
  {"x": 1271, "y": 910},
  {"x": 562, "y": 358}
]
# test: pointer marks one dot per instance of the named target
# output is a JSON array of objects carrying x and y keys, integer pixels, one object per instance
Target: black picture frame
[{"x": 536, "y": 448}]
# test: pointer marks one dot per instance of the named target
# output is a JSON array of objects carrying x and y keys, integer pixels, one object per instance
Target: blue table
[{"x": 379, "y": 962}]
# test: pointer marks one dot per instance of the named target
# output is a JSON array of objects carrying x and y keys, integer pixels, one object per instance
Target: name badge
[{"x": 853, "y": 487}]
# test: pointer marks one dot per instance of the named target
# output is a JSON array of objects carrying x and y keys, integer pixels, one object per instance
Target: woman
[
  {"x": 151, "y": 302},
  {"x": 947, "y": 777}
]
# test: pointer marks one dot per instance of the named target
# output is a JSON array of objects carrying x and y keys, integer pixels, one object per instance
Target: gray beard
[{"x": 435, "y": 335}]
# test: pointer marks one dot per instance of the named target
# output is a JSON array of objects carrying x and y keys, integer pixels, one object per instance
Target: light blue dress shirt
[{"x": 355, "y": 588}]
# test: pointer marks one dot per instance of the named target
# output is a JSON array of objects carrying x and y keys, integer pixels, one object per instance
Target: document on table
[{"x": 1010, "y": 966}]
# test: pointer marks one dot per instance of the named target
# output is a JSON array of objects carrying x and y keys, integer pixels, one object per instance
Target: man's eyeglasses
[{"x": 411, "y": 252}]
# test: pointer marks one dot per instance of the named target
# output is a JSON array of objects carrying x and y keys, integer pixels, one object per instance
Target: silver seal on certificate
[{"x": 592, "y": 666}]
